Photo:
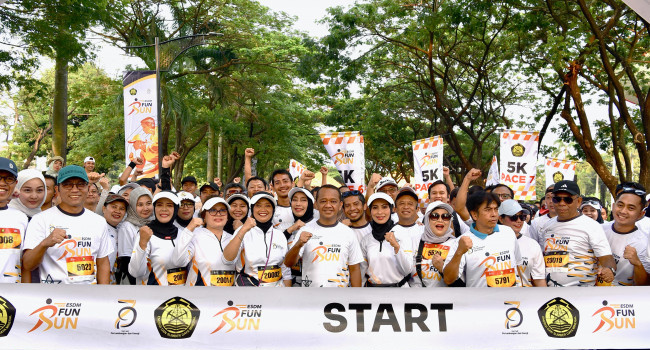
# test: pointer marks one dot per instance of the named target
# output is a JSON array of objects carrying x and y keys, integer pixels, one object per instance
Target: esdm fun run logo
[
  {"x": 615, "y": 316},
  {"x": 56, "y": 315},
  {"x": 240, "y": 317}
]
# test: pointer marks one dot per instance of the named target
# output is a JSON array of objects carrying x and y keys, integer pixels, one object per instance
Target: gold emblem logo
[
  {"x": 518, "y": 150},
  {"x": 559, "y": 318},
  {"x": 7, "y": 315},
  {"x": 558, "y": 176},
  {"x": 133, "y": 91},
  {"x": 176, "y": 318}
]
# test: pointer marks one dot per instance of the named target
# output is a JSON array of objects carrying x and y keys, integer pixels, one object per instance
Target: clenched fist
[
  {"x": 56, "y": 236},
  {"x": 145, "y": 236},
  {"x": 196, "y": 222},
  {"x": 464, "y": 244},
  {"x": 304, "y": 237}
]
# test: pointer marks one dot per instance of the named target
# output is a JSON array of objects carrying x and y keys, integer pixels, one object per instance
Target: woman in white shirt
[
  {"x": 238, "y": 210},
  {"x": 138, "y": 213}
]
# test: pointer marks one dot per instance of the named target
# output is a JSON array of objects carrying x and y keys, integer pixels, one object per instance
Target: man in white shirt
[
  {"x": 282, "y": 182},
  {"x": 14, "y": 223}
]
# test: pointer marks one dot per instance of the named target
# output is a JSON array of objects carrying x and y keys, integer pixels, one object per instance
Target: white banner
[
  {"x": 347, "y": 152},
  {"x": 493, "y": 173},
  {"x": 152, "y": 317},
  {"x": 427, "y": 158},
  {"x": 518, "y": 162},
  {"x": 140, "y": 120},
  {"x": 558, "y": 170},
  {"x": 296, "y": 168}
]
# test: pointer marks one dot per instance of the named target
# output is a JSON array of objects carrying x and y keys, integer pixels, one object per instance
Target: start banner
[
  {"x": 518, "y": 162},
  {"x": 73, "y": 317},
  {"x": 347, "y": 152},
  {"x": 296, "y": 168},
  {"x": 427, "y": 158},
  {"x": 558, "y": 170},
  {"x": 140, "y": 120}
]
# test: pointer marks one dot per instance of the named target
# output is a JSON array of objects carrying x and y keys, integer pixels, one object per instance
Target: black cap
[
  {"x": 567, "y": 186},
  {"x": 212, "y": 185},
  {"x": 115, "y": 198},
  {"x": 407, "y": 191},
  {"x": 147, "y": 182},
  {"x": 191, "y": 179},
  {"x": 7, "y": 164}
]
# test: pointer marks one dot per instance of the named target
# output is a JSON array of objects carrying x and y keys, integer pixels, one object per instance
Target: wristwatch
[{"x": 613, "y": 271}]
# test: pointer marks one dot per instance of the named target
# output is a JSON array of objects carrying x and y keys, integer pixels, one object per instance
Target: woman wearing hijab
[
  {"x": 151, "y": 261},
  {"x": 389, "y": 256},
  {"x": 261, "y": 247},
  {"x": 186, "y": 210},
  {"x": 433, "y": 246},
  {"x": 138, "y": 214},
  {"x": 302, "y": 208},
  {"x": 238, "y": 209},
  {"x": 203, "y": 247}
]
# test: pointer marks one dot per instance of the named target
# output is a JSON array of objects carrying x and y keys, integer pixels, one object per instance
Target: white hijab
[{"x": 23, "y": 177}]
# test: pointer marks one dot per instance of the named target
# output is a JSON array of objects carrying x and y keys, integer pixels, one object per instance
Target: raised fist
[{"x": 56, "y": 236}]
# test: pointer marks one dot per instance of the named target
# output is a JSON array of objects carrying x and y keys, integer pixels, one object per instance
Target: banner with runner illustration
[
  {"x": 296, "y": 168},
  {"x": 140, "y": 119},
  {"x": 493, "y": 173},
  {"x": 558, "y": 170},
  {"x": 427, "y": 158},
  {"x": 43, "y": 316},
  {"x": 347, "y": 152},
  {"x": 518, "y": 162}
]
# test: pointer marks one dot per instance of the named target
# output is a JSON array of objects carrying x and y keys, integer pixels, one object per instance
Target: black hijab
[
  {"x": 309, "y": 213},
  {"x": 231, "y": 221},
  {"x": 379, "y": 230},
  {"x": 264, "y": 226},
  {"x": 167, "y": 230}
]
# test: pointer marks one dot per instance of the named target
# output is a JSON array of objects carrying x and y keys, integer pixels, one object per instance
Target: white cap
[
  {"x": 238, "y": 196},
  {"x": 380, "y": 195},
  {"x": 89, "y": 159},
  {"x": 438, "y": 205},
  {"x": 115, "y": 189},
  {"x": 590, "y": 203},
  {"x": 212, "y": 202},
  {"x": 185, "y": 196},
  {"x": 259, "y": 195},
  {"x": 383, "y": 182},
  {"x": 167, "y": 194},
  {"x": 303, "y": 190},
  {"x": 510, "y": 207}
]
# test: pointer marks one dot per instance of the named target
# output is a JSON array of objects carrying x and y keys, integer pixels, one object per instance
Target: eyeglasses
[
  {"x": 521, "y": 217},
  {"x": 217, "y": 212},
  {"x": 350, "y": 193},
  {"x": 9, "y": 180},
  {"x": 504, "y": 196},
  {"x": 389, "y": 190},
  {"x": 558, "y": 199},
  {"x": 70, "y": 185},
  {"x": 187, "y": 205},
  {"x": 436, "y": 216}
]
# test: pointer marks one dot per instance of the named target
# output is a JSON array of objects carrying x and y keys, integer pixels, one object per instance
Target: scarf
[
  {"x": 230, "y": 228},
  {"x": 167, "y": 230},
  {"x": 308, "y": 215},
  {"x": 23, "y": 177},
  {"x": 264, "y": 226},
  {"x": 131, "y": 215},
  {"x": 430, "y": 237},
  {"x": 379, "y": 230}
]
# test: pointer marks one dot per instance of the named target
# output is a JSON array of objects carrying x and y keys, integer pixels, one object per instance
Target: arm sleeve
[
  {"x": 35, "y": 232},
  {"x": 405, "y": 257},
  {"x": 598, "y": 241},
  {"x": 642, "y": 252},
  {"x": 537, "y": 266},
  {"x": 184, "y": 249},
  {"x": 100, "y": 204},
  {"x": 355, "y": 256},
  {"x": 105, "y": 244},
  {"x": 166, "y": 179},
  {"x": 138, "y": 263}
]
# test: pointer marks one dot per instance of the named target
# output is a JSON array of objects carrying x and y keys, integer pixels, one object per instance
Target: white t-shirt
[
  {"x": 533, "y": 229},
  {"x": 282, "y": 218},
  {"x": 360, "y": 233},
  {"x": 12, "y": 238},
  {"x": 644, "y": 225},
  {"x": 72, "y": 261},
  {"x": 618, "y": 242},
  {"x": 571, "y": 249},
  {"x": 492, "y": 261},
  {"x": 154, "y": 265},
  {"x": 327, "y": 255},
  {"x": 126, "y": 233},
  {"x": 532, "y": 267},
  {"x": 111, "y": 232},
  {"x": 263, "y": 256},
  {"x": 204, "y": 251},
  {"x": 384, "y": 265}
]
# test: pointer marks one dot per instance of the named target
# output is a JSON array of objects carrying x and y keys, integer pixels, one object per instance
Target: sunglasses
[
  {"x": 633, "y": 190},
  {"x": 350, "y": 193},
  {"x": 436, "y": 216},
  {"x": 521, "y": 217},
  {"x": 558, "y": 199}
]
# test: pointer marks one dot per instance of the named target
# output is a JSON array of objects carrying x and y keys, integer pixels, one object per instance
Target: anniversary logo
[
  {"x": 176, "y": 318},
  {"x": 57, "y": 315},
  {"x": 559, "y": 318},
  {"x": 514, "y": 318},
  {"x": 240, "y": 317},
  {"x": 7, "y": 316},
  {"x": 617, "y": 316},
  {"x": 126, "y": 317}
]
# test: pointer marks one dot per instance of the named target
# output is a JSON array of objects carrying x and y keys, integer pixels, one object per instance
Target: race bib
[
  {"x": 221, "y": 278},
  {"x": 431, "y": 249},
  {"x": 601, "y": 283},
  {"x": 556, "y": 259},
  {"x": 10, "y": 238},
  {"x": 270, "y": 274},
  {"x": 80, "y": 268},
  {"x": 177, "y": 276},
  {"x": 501, "y": 278}
]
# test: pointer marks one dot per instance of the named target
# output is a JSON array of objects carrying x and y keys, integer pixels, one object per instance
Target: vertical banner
[
  {"x": 140, "y": 120},
  {"x": 427, "y": 158},
  {"x": 518, "y": 160},
  {"x": 296, "y": 168},
  {"x": 558, "y": 170},
  {"x": 493, "y": 174},
  {"x": 347, "y": 152}
]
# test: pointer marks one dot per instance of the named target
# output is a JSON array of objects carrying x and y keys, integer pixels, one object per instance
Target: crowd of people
[{"x": 68, "y": 225}]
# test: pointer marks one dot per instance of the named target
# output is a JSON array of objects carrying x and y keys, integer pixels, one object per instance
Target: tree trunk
[
  {"x": 210, "y": 166},
  {"x": 37, "y": 143},
  {"x": 60, "y": 109}
]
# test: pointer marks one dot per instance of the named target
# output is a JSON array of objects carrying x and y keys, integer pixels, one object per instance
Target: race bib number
[
  {"x": 10, "y": 238},
  {"x": 556, "y": 259},
  {"x": 177, "y": 277},
  {"x": 501, "y": 278},
  {"x": 431, "y": 249},
  {"x": 221, "y": 278},
  {"x": 601, "y": 283},
  {"x": 80, "y": 268},
  {"x": 270, "y": 274}
]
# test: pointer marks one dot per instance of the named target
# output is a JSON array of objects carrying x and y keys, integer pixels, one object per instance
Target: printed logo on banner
[
  {"x": 343, "y": 157},
  {"x": 619, "y": 316},
  {"x": 57, "y": 315},
  {"x": 514, "y": 318},
  {"x": 7, "y": 316},
  {"x": 558, "y": 176},
  {"x": 133, "y": 92},
  {"x": 559, "y": 318},
  {"x": 141, "y": 107},
  {"x": 126, "y": 317},
  {"x": 518, "y": 150},
  {"x": 240, "y": 317},
  {"x": 176, "y": 318}
]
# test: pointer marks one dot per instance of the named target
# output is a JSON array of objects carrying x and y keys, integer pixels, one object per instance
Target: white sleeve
[
  {"x": 598, "y": 241},
  {"x": 105, "y": 244},
  {"x": 184, "y": 249},
  {"x": 537, "y": 266},
  {"x": 355, "y": 256},
  {"x": 35, "y": 232},
  {"x": 405, "y": 257},
  {"x": 518, "y": 259},
  {"x": 641, "y": 246},
  {"x": 125, "y": 235},
  {"x": 138, "y": 263},
  {"x": 234, "y": 240}
]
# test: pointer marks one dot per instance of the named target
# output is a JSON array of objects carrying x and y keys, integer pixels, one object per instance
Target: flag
[
  {"x": 427, "y": 158},
  {"x": 346, "y": 150},
  {"x": 493, "y": 174},
  {"x": 518, "y": 155}
]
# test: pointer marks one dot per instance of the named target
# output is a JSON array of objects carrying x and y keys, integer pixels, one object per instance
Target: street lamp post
[{"x": 166, "y": 53}]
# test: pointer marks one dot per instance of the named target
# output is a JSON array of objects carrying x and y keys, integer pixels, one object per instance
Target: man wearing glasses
[
  {"x": 576, "y": 251},
  {"x": 14, "y": 223},
  {"x": 68, "y": 243}
]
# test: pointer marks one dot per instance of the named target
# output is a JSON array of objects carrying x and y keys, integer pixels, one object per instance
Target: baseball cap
[
  {"x": 89, "y": 159},
  {"x": 127, "y": 186},
  {"x": 55, "y": 158},
  {"x": 69, "y": 172},
  {"x": 7, "y": 164},
  {"x": 380, "y": 195},
  {"x": 167, "y": 194},
  {"x": 259, "y": 195},
  {"x": 438, "y": 205},
  {"x": 185, "y": 196},
  {"x": 510, "y": 207},
  {"x": 407, "y": 191},
  {"x": 238, "y": 196},
  {"x": 115, "y": 197},
  {"x": 383, "y": 182},
  {"x": 212, "y": 202},
  {"x": 592, "y": 203},
  {"x": 211, "y": 184},
  {"x": 566, "y": 186},
  {"x": 303, "y": 190},
  {"x": 191, "y": 179}
]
